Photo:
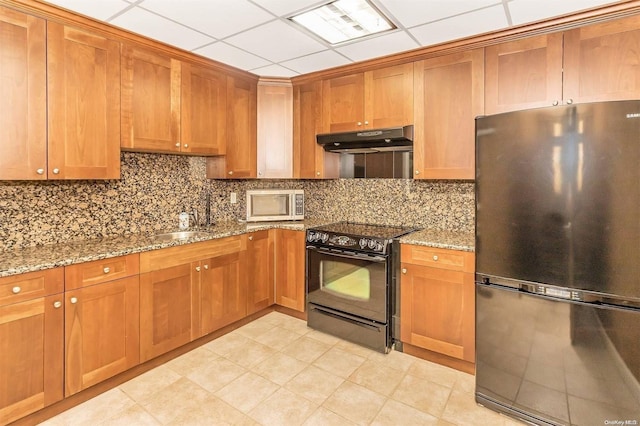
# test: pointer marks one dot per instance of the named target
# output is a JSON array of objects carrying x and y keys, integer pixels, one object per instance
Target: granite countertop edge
[{"x": 37, "y": 258}]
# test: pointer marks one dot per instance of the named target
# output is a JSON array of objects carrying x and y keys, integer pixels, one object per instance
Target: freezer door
[{"x": 554, "y": 361}]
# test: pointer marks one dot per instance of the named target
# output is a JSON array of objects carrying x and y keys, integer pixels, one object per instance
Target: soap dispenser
[{"x": 183, "y": 220}]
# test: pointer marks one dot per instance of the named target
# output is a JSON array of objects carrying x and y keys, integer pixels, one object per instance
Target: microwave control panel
[{"x": 299, "y": 203}]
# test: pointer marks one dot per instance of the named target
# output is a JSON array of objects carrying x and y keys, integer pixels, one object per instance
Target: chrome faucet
[{"x": 194, "y": 215}]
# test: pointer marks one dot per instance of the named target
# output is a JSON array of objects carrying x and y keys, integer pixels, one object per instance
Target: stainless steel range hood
[{"x": 366, "y": 141}]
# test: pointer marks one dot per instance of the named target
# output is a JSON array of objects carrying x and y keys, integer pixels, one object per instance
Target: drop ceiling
[{"x": 255, "y": 35}]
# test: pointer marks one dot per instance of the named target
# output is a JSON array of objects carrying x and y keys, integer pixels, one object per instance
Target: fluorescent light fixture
[{"x": 344, "y": 20}]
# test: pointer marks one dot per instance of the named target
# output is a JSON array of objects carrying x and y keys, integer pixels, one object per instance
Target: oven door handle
[{"x": 346, "y": 255}]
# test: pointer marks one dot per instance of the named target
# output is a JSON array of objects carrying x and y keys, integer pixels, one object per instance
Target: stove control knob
[
  {"x": 310, "y": 236},
  {"x": 363, "y": 243},
  {"x": 324, "y": 237},
  {"x": 379, "y": 246},
  {"x": 372, "y": 244}
]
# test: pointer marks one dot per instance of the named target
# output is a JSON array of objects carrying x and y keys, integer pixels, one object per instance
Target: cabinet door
[
  {"x": 31, "y": 356},
  {"x": 165, "y": 310},
  {"x": 101, "y": 332},
  {"x": 437, "y": 308},
  {"x": 343, "y": 103},
  {"x": 223, "y": 291},
  {"x": 150, "y": 101},
  {"x": 601, "y": 61},
  {"x": 448, "y": 96},
  {"x": 523, "y": 74},
  {"x": 388, "y": 100},
  {"x": 259, "y": 272},
  {"x": 83, "y": 78},
  {"x": 204, "y": 110},
  {"x": 23, "y": 131},
  {"x": 290, "y": 266},
  {"x": 310, "y": 160},
  {"x": 275, "y": 134}
]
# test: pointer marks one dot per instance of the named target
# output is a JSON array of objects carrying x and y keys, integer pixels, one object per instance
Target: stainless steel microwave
[{"x": 275, "y": 204}]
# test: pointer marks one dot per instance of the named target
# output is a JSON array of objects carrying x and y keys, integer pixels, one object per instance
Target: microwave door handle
[{"x": 355, "y": 256}]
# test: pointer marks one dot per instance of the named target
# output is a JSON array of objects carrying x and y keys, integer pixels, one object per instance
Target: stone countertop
[
  {"x": 463, "y": 241},
  {"x": 37, "y": 258}
]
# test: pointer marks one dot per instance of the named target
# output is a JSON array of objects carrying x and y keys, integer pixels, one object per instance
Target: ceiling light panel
[{"x": 343, "y": 20}]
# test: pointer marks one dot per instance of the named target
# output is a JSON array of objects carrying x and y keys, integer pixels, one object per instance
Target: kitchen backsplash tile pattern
[{"x": 154, "y": 189}]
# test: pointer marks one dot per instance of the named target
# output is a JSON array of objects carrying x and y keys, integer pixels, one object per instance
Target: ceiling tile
[
  {"x": 288, "y": 7},
  {"x": 274, "y": 71},
  {"x": 218, "y": 18},
  {"x": 411, "y": 13},
  {"x": 478, "y": 22},
  {"x": 379, "y": 46},
  {"x": 230, "y": 55},
  {"x": 317, "y": 61},
  {"x": 523, "y": 11},
  {"x": 276, "y": 41},
  {"x": 156, "y": 27},
  {"x": 100, "y": 9}
]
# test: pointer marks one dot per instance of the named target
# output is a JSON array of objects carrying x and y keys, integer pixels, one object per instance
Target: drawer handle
[
  {"x": 197, "y": 269},
  {"x": 106, "y": 270},
  {"x": 57, "y": 304},
  {"x": 16, "y": 290},
  {"x": 404, "y": 270},
  {"x": 73, "y": 300},
  {"x": 250, "y": 237},
  {"x": 206, "y": 266},
  {"x": 435, "y": 257}
]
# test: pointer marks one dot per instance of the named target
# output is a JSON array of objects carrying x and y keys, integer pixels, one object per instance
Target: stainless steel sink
[{"x": 182, "y": 235}]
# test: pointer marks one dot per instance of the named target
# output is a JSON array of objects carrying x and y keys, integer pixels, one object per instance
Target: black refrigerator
[{"x": 558, "y": 264}]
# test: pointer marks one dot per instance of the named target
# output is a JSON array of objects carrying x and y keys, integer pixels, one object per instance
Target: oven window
[{"x": 345, "y": 280}]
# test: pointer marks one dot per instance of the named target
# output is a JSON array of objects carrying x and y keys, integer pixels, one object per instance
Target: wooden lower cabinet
[
  {"x": 101, "y": 332},
  {"x": 290, "y": 269},
  {"x": 221, "y": 292},
  {"x": 259, "y": 271},
  {"x": 437, "y": 303},
  {"x": 165, "y": 310},
  {"x": 31, "y": 342}
]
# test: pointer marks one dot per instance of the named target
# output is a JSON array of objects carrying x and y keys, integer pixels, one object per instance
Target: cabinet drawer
[
  {"x": 18, "y": 288},
  {"x": 99, "y": 271},
  {"x": 438, "y": 258}
]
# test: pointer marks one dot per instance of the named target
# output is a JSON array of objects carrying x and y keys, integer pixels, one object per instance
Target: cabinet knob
[
  {"x": 569, "y": 101},
  {"x": 16, "y": 290},
  {"x": 57, "y": 304},
  {"x": 359, "y": 123},
  {"x": 555, "y": 103},
  {"x": 259, "y": 173},
  {"x": 106, "y": 270},
  {"x": 73, "y": 300},
  {"x": 435, "y": 257},
  {"x": 40, "y": 171},
  {"x": 178, "y": 144},
  {"x": 317, "y": 173},
  {"x": 197, "y": 269},
  {"x": 206, "y": 266},
  {"x": 186, "y": 145},
  {"x": 417, "y": 172},
  {"x": 230, "y": 172},
  {"x": 366, "y": 122},
  {"x": 404, "y": 270},
  {"x": 56, "y": 171}
]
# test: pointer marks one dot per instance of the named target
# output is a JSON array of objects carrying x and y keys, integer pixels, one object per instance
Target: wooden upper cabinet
[
  {"x": 523, "y": 74},
  {"x": 83, "y": 79},
  {"x": 310, "y": 160},
  {"x": 23, "y": 96},
  {"x": 150, "y": 101},
  {"x": 204, "y": 110},
  {"x": 31, "y": 342},
  {"x": 449, "y": 95},
  {"x": 275, "y": 129},
  {"x": 374, "y": 99},
  {"x": 601, "y": 61},
  {"x": 240, "y": 160}
]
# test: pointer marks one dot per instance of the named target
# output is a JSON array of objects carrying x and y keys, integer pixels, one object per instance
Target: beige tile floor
[{"x": 276, "y": 371}]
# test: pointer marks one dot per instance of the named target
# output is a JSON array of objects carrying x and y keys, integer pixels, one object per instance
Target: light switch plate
[{"x": 234, "y": 198}]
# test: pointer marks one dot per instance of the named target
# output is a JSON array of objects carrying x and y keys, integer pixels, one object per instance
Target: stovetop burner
[{"x": 356, "y": 236}]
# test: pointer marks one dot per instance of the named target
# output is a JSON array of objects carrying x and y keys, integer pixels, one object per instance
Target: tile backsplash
[{"x": 154, "y": 189}]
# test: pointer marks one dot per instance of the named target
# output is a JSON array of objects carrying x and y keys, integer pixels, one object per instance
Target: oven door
[{"x": 354, "y": 283}]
